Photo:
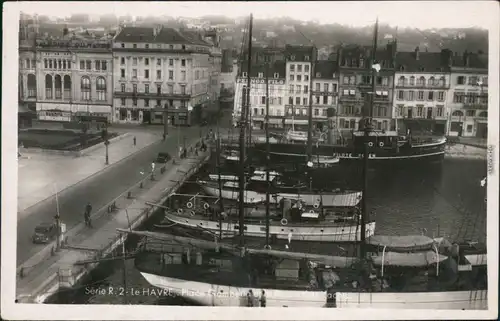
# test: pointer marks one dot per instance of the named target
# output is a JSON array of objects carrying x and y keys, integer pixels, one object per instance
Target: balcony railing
[
  {"x": 324, "y": 93},
  {"x": 420, "y": 85},
  {"x": 138, "y": 94},
  {"x": 483, "y": 106},
  {"x": 353, "y": 99}
]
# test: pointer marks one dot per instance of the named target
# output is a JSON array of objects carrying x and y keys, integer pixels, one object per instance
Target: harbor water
[{"x": 444, "y": 199}]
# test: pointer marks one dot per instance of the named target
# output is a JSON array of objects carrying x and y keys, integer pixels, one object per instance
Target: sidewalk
[
  {"x": 38, "y": 172},
  {"x": 474, "y": 141},
  {"x": 85, "y": 243},
  {"x": 465, "y": 151}
]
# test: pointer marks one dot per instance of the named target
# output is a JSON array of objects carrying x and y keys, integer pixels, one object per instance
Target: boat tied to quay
[{"x": 412, "y": 271}]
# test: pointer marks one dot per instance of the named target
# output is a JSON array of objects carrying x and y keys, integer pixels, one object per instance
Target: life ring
[
  {"x": 381, "y": 144},
  {"x": 192, "y": 213},
  {"x": 180, "y": 211},
  {"x": 189, "y": 205},
  {"x": 206, "y": 206},
  {"x": 267, "y": 247},
  {"x": 284, "y": 221},
  {"x": 316, "y": 205},
  {"x": 311, "y": 211},
  {"x": 370, "y": 144}
]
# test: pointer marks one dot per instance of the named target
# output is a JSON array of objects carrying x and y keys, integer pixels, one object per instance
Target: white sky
[{"x": 419, "y": 14}]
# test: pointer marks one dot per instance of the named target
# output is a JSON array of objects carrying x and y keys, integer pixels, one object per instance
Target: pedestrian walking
[
  {"x": 263, "y": 299},
  {"x": 135, "y": 141},
  {"x": 88, "y": 210},
  {"x": 250, "y": 298}
]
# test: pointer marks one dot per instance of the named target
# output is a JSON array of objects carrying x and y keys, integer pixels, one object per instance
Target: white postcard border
[{"x": 12, "y": 311}]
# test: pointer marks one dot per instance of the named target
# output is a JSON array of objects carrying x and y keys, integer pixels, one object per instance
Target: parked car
[
  {"x": 163, "y": 158},
  {"x": 44, "y": 233}
]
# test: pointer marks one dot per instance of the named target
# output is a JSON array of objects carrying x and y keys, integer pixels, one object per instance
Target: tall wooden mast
[
  {"x": 268, "y": 162},
  {"x": 368, "y": 128},
  {"x": 310, "y": 109},
  {"x": 243, "y": 128}
]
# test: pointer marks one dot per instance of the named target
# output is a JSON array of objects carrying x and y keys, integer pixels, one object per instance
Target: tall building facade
[
  {"x": 158, "y": 67},
  {"x": 468, "y": 96},
  {"x": 355, "y": 86},
  {"x": 67, "y": 79},
  {"x": 298, "y": 74},
  {"x": 27, "y": 76},
  {"x": 422, "y": 81},
  {"x": 277, "y": 93},
  {"x": 325, "y": 93}
]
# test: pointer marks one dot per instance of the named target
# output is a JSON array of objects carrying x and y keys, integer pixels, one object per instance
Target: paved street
[
  {"x": 39, "y": 174},
  {"x": 98, "y": 190}
]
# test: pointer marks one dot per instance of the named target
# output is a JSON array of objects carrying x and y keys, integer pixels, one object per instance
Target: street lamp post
[
  {"x": 165, "y": 121},
  {"x": 106, "y": 143}
]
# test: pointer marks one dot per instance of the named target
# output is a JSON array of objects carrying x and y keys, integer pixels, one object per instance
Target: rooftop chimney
[
  {"x": 417, "y": 53},
  {"x": 157, "y": 29},
  {"x": 466, "y": 58}
]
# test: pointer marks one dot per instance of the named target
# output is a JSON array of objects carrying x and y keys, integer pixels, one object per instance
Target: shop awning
[
  {"x": 297, "y": 121},
  {"x": 24, "y": 110}
]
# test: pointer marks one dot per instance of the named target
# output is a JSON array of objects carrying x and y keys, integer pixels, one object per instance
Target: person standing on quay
[
  {"x": 250, "y": 298},
  {"x": 88, "y": 209},
  {"x": 263, "y": 300}
]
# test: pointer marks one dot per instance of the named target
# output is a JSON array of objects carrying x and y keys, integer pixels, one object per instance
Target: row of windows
[
  {"x": 148, "y": 103},
  {"x": 158, "y": 74},
  {"x": 256, "y": 100},
  {"x": 158, "y": 89},
  {"x": 60, "y": 64},
  {"x": 53, "y": 89},
  {"x": 470, "y": 113},
  {"x": 100, "y": 65},
  {"x": 171, "y": 47},
  {"x": 421, "y": 112},
  {"x": 421, "y": 81},
  {"x": 365, "y": 80},
  {"x": 299, "y": 67},
  {"x": 298, "y": 77},
  {"x": 421, "y": 95},
  {"x": 244, "y": 74},
  {"x": 470, "y": 98},
  {"x": 472, "y": 80},
  {"x": 148, "y": 60},
  {"x": 30, "y": 63},
  {"x": 293, "y": 89}
]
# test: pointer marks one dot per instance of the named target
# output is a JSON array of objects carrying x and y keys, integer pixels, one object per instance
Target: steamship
[{"x": 382, "y": 146}]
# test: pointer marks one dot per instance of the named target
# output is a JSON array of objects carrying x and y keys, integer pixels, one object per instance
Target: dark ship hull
[{"x": 289, "y": 152}]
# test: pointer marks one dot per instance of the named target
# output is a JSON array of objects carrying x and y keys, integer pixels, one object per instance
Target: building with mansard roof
[
  {"x": 158, "y": 67},
  {"x": 325, "y": 93},
  {"x": 298, "y": 74},
  {"x": 67, "y": 79},
  {"x": 355, "y": 86},
  {"x": 422, "y": 81},
  {"x": 467, "y": 99}
]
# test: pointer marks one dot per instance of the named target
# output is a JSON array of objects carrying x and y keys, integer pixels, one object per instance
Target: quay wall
[{"x": 68, "y": 273}]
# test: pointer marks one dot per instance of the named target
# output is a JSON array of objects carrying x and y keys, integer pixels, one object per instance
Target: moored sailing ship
[{"x": 390, "y": 272}]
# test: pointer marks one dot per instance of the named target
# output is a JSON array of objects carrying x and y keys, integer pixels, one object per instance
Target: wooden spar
[
  {"x": 337, "y": 261},
  {"x": 203, "y": 244},
  {"x": 333, "y": 260},
  {"x": 368, "y": 128},
  {"x": 268, "y": 162}
]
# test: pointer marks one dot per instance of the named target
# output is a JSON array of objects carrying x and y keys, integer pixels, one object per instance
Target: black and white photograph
[{"x": 255, "y": 160}]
